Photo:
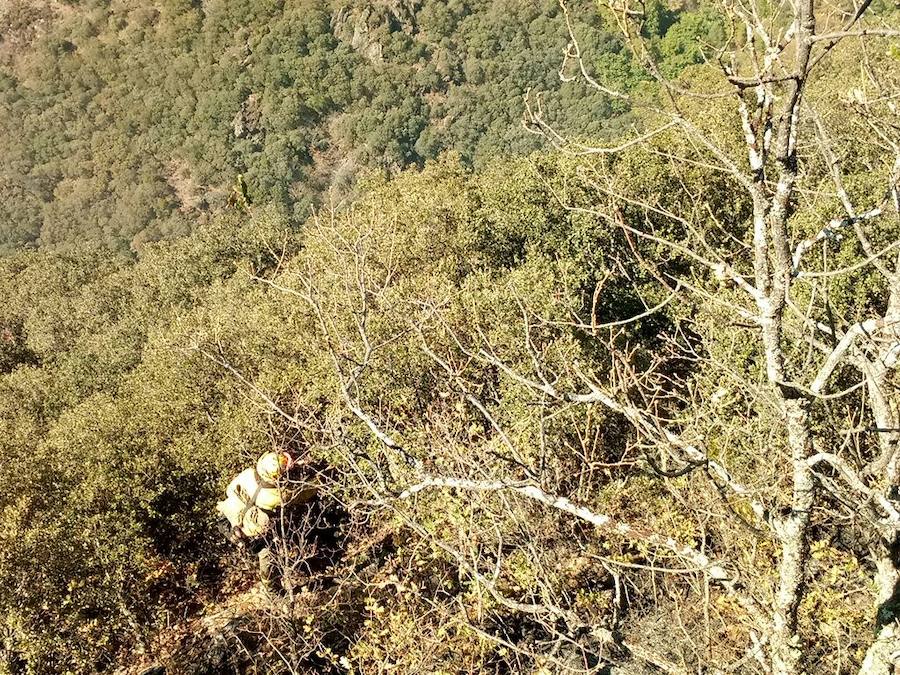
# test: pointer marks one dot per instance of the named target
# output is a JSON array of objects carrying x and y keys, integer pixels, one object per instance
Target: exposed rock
[
  {"x": 246, "y": 120},
  {"x": 363, "y": 26}
]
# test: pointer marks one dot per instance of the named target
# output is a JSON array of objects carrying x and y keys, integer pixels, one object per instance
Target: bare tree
[
  {"x": 769, "y": 64},
  {"x": 803, "y": 474}
]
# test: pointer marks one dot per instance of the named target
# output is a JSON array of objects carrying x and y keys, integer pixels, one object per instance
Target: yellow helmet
[{"x": 272, "y": 465}]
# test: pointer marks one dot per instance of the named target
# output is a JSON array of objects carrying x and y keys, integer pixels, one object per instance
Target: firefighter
[{"x": 254, "y": 502}]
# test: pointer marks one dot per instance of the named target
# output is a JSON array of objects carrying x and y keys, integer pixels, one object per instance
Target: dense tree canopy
[
  {"x": 551, "y": 396},
  {"x": 125, "y": 123}
]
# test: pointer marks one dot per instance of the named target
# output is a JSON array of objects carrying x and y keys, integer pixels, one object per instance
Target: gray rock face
[
  {"x": 246, "y": 120},
  {"x": 363, "y": 26}
]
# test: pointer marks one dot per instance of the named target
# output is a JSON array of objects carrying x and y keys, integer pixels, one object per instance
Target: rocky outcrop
[
  {"x": 246, "y": 122},
  {"x": 362, "y": 26}
]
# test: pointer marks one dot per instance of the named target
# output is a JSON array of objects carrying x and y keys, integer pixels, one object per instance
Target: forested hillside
[
  {"x": 598, "y": 380},
  {"x": 124, "y": 122}
]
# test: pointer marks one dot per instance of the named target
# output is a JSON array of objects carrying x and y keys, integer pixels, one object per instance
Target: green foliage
[
  {"x": 170, "y": 310},
  {"x": 115, "y": 437},
  {"x": 131, "y": 389},
  {"x": 124, "y": 124},
  {"x": 689, "y": 40},
  {"x": 118, "y": 433}
]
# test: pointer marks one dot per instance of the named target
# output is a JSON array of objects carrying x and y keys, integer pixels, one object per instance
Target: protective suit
[
  {"x": 252, "y": 500},
  {"x": 253, "y": 496}
]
